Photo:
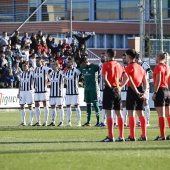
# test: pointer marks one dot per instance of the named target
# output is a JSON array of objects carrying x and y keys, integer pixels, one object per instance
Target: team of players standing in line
[{"x": 111, "y": 72}]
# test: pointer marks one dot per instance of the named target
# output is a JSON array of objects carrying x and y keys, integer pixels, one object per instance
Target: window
[
  {"x": 119, "y": 41},
  {"x": 129, "y": 9},
  {"x": 106, "y": 10},
  {"x": 110, "y": 41},
  {"x": 100, "y": 40},
  {"x": 90, "y": 43}
]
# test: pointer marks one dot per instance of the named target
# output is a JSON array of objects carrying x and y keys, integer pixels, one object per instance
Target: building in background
[{"x": 113, "y": 21}]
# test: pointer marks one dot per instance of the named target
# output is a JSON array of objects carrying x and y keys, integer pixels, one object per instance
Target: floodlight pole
[
  {"x": 141, "y": 6},
  {"x": 160, "y": 25},
  {"x": 71, "y": 15}
]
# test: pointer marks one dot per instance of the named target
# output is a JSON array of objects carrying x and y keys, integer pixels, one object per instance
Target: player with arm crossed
[
  {"x": 56, "y": 92},
  {"x": 112, "y": 72},
  {"x": 41, "y": 95},
  {"x": 71, "y": 77},
  {"x": 135, "y": 95},
  {"x": 25, "y": 93}
]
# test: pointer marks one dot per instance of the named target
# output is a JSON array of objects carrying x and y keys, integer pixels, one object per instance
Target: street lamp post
[{"x": 71, "y": 15}]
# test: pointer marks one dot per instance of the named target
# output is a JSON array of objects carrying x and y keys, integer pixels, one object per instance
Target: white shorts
[
  {"x": 56, "y": 101},
  {"x": 26, "y": 97},
  {"x": 123, "y": 95},
  {"x": 101, "y": 97},
  {"x": 72, "y": 100},
  {"x": 41, "y": 97}
]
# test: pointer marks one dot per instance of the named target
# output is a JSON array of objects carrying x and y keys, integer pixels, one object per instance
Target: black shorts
[
  {"x": 111, "y": 100},
  {"x": 162, "y": 97},
  {"x": 133, "y": 102}
]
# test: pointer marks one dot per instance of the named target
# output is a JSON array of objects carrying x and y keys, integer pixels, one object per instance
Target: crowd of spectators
[{"x": 17, "y": 49}]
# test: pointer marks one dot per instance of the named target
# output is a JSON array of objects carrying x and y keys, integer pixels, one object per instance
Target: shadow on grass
[
  {"x": 47, "y": 142},
  {"x": 14, "y": 128},
  {"x": 115, "y": 148}
]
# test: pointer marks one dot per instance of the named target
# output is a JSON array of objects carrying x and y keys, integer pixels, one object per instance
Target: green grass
[{"x": 75, "y": 148}]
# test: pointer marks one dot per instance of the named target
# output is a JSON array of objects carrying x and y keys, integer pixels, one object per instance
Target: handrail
[
  {"x": 29, "y": 17},
  {"x": 92, "y": 57}
]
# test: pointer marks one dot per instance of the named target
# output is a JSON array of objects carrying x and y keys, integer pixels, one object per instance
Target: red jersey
[
  {"x": 60, "y": 61},
  {"x": 136, "y": 72},
  {"x": 164, "y": 71},
  {"x": 113, "y": 70}
]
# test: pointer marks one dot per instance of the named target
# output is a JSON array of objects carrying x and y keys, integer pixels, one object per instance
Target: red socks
[
  {"x": 132, "y": 124},
  {"x": 143, "y": 125},
  {"x": 121, "y": 127},
  {"x": 110, "y": 124},
  {"x": 162, "y": 126}
]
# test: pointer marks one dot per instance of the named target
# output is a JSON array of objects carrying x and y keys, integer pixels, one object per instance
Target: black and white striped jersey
[
  {"x": 72, "y": 77},
  {"x": 26, "y": 81},
  {"x": 40, "y": 79},
  {"x": 101, "y": 83},
  {"x": 147, "y": 68},
  {"x": 57, "y": 83},
  {"x": 125, "y": 88}
]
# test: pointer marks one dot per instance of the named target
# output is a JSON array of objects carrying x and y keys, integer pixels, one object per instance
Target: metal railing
[{"x": 92, "y": 57}]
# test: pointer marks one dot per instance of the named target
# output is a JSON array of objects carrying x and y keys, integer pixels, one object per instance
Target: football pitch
[{"x": 73, "y": 148}]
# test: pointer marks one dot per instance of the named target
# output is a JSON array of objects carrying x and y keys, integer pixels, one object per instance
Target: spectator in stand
[
  {"x": 16, "y": 72},
  {"x": 65, "y": 44},
  {"x": 26, "y": 41},
  {"x": 3, "y": 49},
  {"x": 25, "y": 53},
  {"x": 32, "y": 60},
  {"x": 39, "y": 53},
  {"x": 49, "y": 40},
  {"x": 41, "y": 37},
  {"x": 3, "y": 61},
  {"x": 15, "y": 50},
  {"x": 21, "y": 61},
  {"x": 44, "y": 46},
  {"x": 4, "y": 39},
  {"x": 78, "y": 57},
  {"x": 39, "y": 46},
  {"x": 32, "y": 51},
  {"x": 3, "y": 65},
  {"x": 74, "y": 47},
  {"x": 69, "y": 39},
  {"x": 9, "y": 79},
  {"x": 83, "y": 50},
  {"x": 59, "y": 59},
  {"x": 60, "y": 45},
  {"x": 82, "y": 39},
  {"x": 15, "y": 39},
  {"x": 49, "y": 53},
  {"x": 7, "y": 69},
  {"x": 67, "y": 55},
  {"x": 34, "y": 41},
  {"x": 53, "y": 57},
  {"x": 9, "y": 57},
  {"x": 45, "y": 56},
  {"x": 8, "y": 48},
  {"x": 53, "y": 46}
]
